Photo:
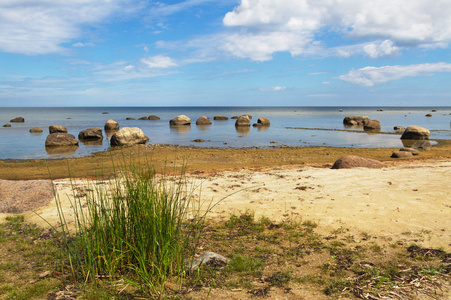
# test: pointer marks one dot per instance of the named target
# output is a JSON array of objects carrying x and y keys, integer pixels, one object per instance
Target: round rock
[
  {"x": 416, "y": 133},
  {"x": 36, "y": 130},
  {"x": 153, "y": 117},
  {"x": 128, "y": 136},
  {"x": 243, "y": 121},
  {"x": 351, "y": 161},
  {"x": 111, "y": 125},
  {"x": 372, "y": 125},
  {"x": 402, "y": 154},
  {"x": 203, "y": 121},
  {"x": 180, "y": 120}
]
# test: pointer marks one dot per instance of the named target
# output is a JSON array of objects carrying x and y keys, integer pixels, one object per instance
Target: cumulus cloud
[
  {"x": 159, "y": 61},
  {"x": 386, "y": 26},
  {"x": 370, "y": 76},
  {"x": 41, "y": 26}
]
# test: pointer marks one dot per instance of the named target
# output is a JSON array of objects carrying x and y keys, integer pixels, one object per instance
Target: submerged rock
[{"x": 220, "y": 118}]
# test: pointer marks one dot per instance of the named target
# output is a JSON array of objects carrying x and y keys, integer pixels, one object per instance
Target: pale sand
[{"x": 406, "y": 202}]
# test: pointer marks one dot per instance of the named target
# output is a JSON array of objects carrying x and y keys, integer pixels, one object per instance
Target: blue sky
[{"x": 227, "y": 52}]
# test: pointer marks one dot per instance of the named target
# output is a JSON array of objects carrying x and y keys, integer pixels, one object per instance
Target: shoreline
[{"x": 201, "y": 159}]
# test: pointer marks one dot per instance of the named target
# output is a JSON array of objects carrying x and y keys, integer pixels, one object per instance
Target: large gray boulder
[
  {"x": 351, "y": 161},
  {"x": 56, "y": 128},
  {"x": 59, "y": 139},
  {"x": 180, "y": 120},
  {"x": 91, "y": 134},
  {"x": 243, "y": 121},
  {"x": 203, "y": 121},
  {"x": 111, "y": 125},
  {"x": 356, "y": 120},
  {"x": 128, "y": 136},
  {"x": 415, "y": 133},
  {"x": 17, "y": 120}
]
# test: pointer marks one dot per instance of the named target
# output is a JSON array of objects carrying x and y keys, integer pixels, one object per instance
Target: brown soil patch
[{"x": 200, "y": 160}]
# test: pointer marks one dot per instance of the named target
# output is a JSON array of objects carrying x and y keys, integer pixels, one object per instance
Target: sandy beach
[{"x": 406, "y": 202}]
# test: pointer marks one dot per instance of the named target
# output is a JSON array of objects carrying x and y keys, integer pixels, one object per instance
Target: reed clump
[{"x": 139, "y": 227}]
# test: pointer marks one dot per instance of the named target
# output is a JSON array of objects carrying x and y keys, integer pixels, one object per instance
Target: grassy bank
[
  {"x": 202, "y": 159},
  {"x": 286, "y": 260}
]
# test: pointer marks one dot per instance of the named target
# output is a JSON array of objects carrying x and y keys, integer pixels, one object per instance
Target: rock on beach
[
  {"x": 351, "y": 161},
  {"x": 416, "y": 133},
  {"x": 128, "y": 136}
]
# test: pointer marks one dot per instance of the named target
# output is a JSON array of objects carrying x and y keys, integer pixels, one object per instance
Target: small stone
[{"x": 401, "y": 154}]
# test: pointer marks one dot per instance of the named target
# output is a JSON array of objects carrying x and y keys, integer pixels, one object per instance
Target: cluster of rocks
[
  {"x": 409, "y": 135},
  {"x": 367, "y": 123},
  {"x": 241, "y": 121}
]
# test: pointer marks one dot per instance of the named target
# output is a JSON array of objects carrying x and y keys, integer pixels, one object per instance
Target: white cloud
[
  {"x": 370, "y": 76},
  {"x": 387, "y": 26},
  {"x": 273, "y": 89},
  {"x": 80, "y": 44},
  {"x": 159, "y": 61},
  {"x": 41, "y": 26}
]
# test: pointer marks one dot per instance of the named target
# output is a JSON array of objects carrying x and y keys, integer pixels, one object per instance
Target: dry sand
[{"x": 405, "y": 202}]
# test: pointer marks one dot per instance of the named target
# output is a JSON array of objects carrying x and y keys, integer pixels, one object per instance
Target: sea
[{"x": 290, "y": 127}]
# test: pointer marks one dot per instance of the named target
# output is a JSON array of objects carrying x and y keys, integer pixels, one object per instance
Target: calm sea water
[{"x": 290, "y": 126}]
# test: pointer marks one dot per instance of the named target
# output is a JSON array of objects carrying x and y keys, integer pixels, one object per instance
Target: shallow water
[{"x": 18, "y": 143}]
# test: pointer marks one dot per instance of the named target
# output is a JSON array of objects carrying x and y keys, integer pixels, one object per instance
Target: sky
[{"x": 225, "y": 53}]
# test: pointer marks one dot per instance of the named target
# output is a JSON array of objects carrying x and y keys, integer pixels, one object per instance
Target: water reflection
[
  {"x": 244, "y": 130},
  {"x": 61, "y": 150},
  {"x": 203, "y": 127},
  {"x": 97, "y": 142},
  {"x": 181, "y": 129}
]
